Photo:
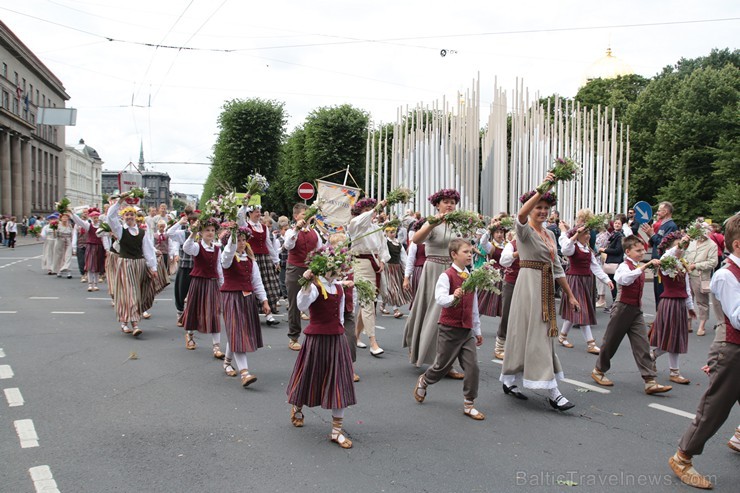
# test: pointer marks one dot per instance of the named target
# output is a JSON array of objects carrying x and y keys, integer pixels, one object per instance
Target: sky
[{"x": 157, "y": 73}]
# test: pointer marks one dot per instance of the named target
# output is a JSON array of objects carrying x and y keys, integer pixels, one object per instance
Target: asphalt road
[{"x": 113, "y": 413}]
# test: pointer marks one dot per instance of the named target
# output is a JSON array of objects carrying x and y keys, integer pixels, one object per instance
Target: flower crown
[
  {"x": 253, "y": 207},
  {"x": 211, "y": 221},
  {"x": 416, "y": 225},
  {"x": 668, "y": 241},
  {"x": 127, "y": 209},
  {"x": 550, "y": 197},
  {"x": 445, "y": 193},
  {"x": 362, "y": 204},
  {"x": 243, "y": 231}
]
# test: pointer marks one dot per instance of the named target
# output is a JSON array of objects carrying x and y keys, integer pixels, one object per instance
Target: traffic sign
[
  {"x": 643, "y": 212},
  {"x": 305, "y": 190}
]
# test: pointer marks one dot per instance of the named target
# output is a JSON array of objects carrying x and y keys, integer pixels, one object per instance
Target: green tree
[
  {"x": 178, "y": 205},
  {"x": 617, "y": 93}
]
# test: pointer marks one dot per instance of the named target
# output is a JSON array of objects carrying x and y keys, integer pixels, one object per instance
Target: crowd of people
[{"x": 228, "y": 277}]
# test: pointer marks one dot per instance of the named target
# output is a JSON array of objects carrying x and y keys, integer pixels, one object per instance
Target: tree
[
  {"x": 617, "y": 93},
  {"x": 178, "y": 205}
]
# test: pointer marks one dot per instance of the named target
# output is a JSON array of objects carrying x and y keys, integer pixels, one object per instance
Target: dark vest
[
  {"x": 349, "y": 299},
  {"x": 674, "y": 287},
  {"x": 632, "y": 294},
  {"x": 512, "y": 272},
  {"x": 305, "y": 242},
  {"x": 238, "y": 277},
  {"x": 395, "y": 252},
  {"x": 92, "y": 238},
  {"x": 131, "y": 246},
  {"x": 460, "y": 316},
  {"x": 258, "y": 241},
  {"x": 205, "y": 264},
  {"x": 325, "y": 314},
  {"x": 421, "y": 256},
  {"x": 580, "y": 263}
]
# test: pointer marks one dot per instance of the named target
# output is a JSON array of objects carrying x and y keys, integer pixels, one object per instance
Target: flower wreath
[
  {"x": 126, "y": 210},
  {"x": 445, "y": 193},
  {"x": 416, "y": 225},
  {"x": 362, "y": 204},
  {"x": 550, "y": 197},
  {"x": 668, "y": 240}
]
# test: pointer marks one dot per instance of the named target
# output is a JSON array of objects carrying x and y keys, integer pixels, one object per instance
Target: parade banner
[{"x": 336, "y": 202}]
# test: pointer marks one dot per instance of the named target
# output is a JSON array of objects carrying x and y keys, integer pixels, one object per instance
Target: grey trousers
[
  {"x": 349, "y": 331},
  {"x": 292, "y": 274},
  {"x": 507, "y": 290},
  {"x": 719, "y": 399},
  {"x": 454, "y": 343},
  {"x": 626, "y": 320}
]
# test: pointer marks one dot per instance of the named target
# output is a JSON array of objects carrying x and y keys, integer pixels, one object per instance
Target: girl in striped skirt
[
  {"x": 204, "y": 298},
  {"x": 323, "y": 374},
  {"x": 241, "y": 294},
  {"x": 580, "y": 277},
  {"x": 136, "y": 269},
  {"x": 490, "y": 303},
  {"x": 94, "y": 251},
  {"x": 670, "y": 332},
  {"x": 415, "y": 259},
  {"x": 394, "y": 296}
]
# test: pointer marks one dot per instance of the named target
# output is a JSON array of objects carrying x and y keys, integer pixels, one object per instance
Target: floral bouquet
[
  {"x": 565, "y": 169},
  {"x": 506, "y": 223},
  {"x": 400, "y": 195},
  {"x": 312, "y": 211},
  {"x": 393, "y": 223},
  {"x": 54, "y": 224},
  {"x": 257, "y": 184},
  {"x": 232, "y": 227},
  {"x": 697, "y": 231},
  {"x": 485, "y": 278},
  {"x": 229, "y": 205},
  {"x": 598, "y": 222},
  {"x": 671, "y": 266},
  {"x": 327, "y": 260},
  {"x": 133, "y": 196},
  {"x": 35, "y": 230},
  {"x": 464, "y": 223},
  {"x": 366, "y": 292},
  {"x": 62, "y": 206},
  {"x": 103, "y": 226}
]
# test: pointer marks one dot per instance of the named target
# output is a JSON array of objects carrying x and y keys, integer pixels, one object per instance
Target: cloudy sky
[{"x": 375, "y": 55}]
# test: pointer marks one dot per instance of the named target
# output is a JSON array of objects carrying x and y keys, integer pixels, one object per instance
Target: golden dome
[{"x": 607, "y": 67}]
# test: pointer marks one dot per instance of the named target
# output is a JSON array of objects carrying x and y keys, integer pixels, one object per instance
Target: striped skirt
[
  {"x": 394, "y": 294},
  {"x": 111, "y": 267},
  {"x": 583, "y": 290},
  {"x": 133, "y": 293},
  {"x": 241, "y": 321},
  {"x": 152, "y": 289},
  {"x": 322, "y": 375},
  {"x": 270, "y": 278},
  {"x": 202, "y": 310},
  {"x": 95, "y": 258},
  {"x": 490, "y": 303},
  {"x": 671, "y": 327}
]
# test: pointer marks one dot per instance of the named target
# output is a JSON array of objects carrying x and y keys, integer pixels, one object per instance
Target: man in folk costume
[
  {"x": 370, "y": 250},
  {"x": 265, "y": 254},
  {"x": 299, "y": 242}
]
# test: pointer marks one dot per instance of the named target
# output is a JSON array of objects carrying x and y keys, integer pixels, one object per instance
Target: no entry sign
[{"x": 305, "y": 190}]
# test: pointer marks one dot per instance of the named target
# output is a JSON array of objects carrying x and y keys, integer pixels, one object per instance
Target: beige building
[
  {"x": 31, "y": 156},
  {"x": 83, "y": 175}
]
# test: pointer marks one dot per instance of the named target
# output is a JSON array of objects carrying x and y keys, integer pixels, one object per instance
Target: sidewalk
[{"x": 26, "y": 241}]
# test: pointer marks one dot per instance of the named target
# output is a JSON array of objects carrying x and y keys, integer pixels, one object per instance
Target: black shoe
[
  {"x": 561, "y": 407},
  {"x": 273, "y": 322},
  {"x": 514, "y": 391}
]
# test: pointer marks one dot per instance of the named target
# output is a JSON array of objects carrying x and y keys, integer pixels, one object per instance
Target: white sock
[
  {"x": 555, "y": 393},
  {"x": 241, "y": 361},
  {"x": 473, "y": 411},
  {"x": 673, "y": 360},
  {"x": 586, "y": 331},
  {"x": 566, "y": 327},
  {"x": 216, "y": 336},
  {"x": 190, "y": 332},
  {"x": 270, "y": 318},
  {"x": 338, "y": 412},
  {"x": 229, "y": 354}
]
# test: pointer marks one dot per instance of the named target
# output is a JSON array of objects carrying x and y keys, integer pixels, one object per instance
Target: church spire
[{"x": 141, "y": 157}]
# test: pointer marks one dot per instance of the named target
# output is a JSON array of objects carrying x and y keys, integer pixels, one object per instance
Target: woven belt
[
  {"x": 438, "y": 259},
  {"x": 548, "y": 293}
]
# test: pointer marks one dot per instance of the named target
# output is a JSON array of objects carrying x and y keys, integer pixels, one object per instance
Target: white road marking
[
  {"x": 43, "y": 298},
  {"x": 592, "y": 388},
  {"x": 8, "y": 312},
  {"x": 14, "y": 397},
  {"x": 163, "y": 299},
  {"x": 379, "y": 327},
  {"x": 67, "y": 313},
  {"x": 677, "y": 412},
  {"x": 99, "y": 299},
  {"x": 6, "y": 372},
  {"x": 497, "y": 361},
  {"x": 2, "y": 353},
  {"x": 19, "y": 258},
  {"x": 26, "y": 433},
  {"x": 42, "y": 479}
]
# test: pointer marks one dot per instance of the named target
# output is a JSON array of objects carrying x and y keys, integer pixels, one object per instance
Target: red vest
[
  {"x": 92, "y": 238},
  {"x": 512, "y": 272},
  {"x": 632, "y": 294},
  {"x": 495, "y": 255},
  {"x": 305, "y": 242},
  {"x": 349, "y": 300},
  {"x": 732, "y": 335},
  {"x": 205, "y": 264},
  {"x": 460, "y": 316},
  {"x": 161, "y": 242},
  {"x": 421, "y": 255},
  {"x": 674, "y": 287},
  {"x": 325, "y": 314},
  {"x": 238, "y": 277},
  {"x": 258, "y": 241},
  {"x": 580, "y": 263}
]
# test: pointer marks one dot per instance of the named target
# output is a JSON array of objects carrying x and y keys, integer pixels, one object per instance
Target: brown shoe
[
  {"x": 600, "y": 378},
  {"x": 189, "y": 341},
  {"x": 471, "y": 412},
  {"x": 677, "y": 378},
  {"x": 179, "y": 320},
  {"x": 296, "y": 416},
  {"x": 455, "y": 375},
  {"x": 420, "y": 385},
  {"x": 563, "y": 339},
  {"x": 498, "y": 349},
  {"x": 228, "y": 368},
  {"x": 217, "y": 353},
  {"x": 247, "y": 378},
  {"x": 684, "y": 469},
  {"x": 734, "y": 442},
  {"x": 653, "y": 387},
  {"x": 337, "y": 434},
  {"x": 294, "y": 345},
  {"x": 355, "y": 378},
  {"x": 592, "y": 348}
]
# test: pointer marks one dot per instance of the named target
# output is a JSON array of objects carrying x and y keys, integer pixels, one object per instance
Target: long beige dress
[
  {"x": 420, "y": 332},
  {"x": 530, "y": 352},
  {"x": 63, "y": 248}
]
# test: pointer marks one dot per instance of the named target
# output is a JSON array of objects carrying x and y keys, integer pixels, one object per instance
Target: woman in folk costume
[
  {"x": 202, "y": 312},
  {"x": 582, "y": 268},
  {"x": 47, "y": 234},
  {"x": 420, "y": 332},
  {"x": 136, "y": 271},
  {"x": 532, "y": 326},
  {"x": 63, "y": 246},
  {"x": 394, "y": 296},
  {"x": 323, "y": 373},
  {"x": 670, "y": 332},
  {"x": 265, "y": 254},
  {"x": 242, "y": 294},
  {"x": 94, "y": 251},
  {"x": 489, "y": 302},
  {"x": 416, "y": 258}
]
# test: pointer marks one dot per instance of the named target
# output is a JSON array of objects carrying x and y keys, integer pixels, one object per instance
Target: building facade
[
  {"x": 83, "y": 175},
  {"x": 32, "y": 161},
  {"x": 157, "y": 183}
]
